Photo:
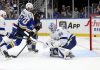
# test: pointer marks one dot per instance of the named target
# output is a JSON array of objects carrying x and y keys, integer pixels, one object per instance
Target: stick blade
[{"x": 13, "y": 56}]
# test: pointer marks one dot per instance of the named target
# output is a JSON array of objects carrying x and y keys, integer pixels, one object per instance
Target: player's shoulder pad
[{"x": 30, "y": 15}]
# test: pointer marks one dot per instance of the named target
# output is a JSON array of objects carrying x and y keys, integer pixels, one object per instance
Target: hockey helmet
[
  {"x": 52, "y": 27},
  {"x": 29, "y": 6}
]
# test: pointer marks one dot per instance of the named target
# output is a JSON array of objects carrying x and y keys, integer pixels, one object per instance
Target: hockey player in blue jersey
[
  {"x": 27, "y": 22},
  {"x": 61, "y": 42}
]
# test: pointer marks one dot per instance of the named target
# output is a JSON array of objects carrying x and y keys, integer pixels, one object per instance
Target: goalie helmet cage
[{"x": 94, "y": 17}]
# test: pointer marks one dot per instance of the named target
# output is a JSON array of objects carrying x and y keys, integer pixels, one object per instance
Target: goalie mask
[{"x": 52, "y": 27}]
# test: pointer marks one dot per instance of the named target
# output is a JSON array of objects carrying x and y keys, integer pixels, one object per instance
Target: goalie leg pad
[
  {"x": 54, "y": 52},
  {"x": 64, "y": 53}
]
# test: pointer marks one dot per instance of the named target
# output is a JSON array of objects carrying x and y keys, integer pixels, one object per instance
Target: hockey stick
[
  {"x": 31, "y": 40},
  {"x": 19, "y": 52},
  {"x": 45, "y": 44},
  {"x": 13, "y": 56}
]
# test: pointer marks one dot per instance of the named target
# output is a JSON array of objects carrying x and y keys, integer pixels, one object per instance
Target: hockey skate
[
  {"x": 33, "y": 50},
  {"x": 6, "y": 54},
  {"x": 3, "y": 51}
]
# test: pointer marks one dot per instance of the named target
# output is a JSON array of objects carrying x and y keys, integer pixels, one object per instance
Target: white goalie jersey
[
  {"x": 62, "y": 41},
  {"x": 60, "y": 37}
]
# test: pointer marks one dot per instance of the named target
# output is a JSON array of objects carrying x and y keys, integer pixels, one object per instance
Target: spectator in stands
[
  {"x": 56, "y": 14},
  {"x": 11, "y": 7},
  {"x": 98, "y": 10},
  {"x": 68, "y": 12},
  {"x": 22, "y": 6},
  {"x": 94, "y": 8},
  {"x": 63, "y": 11},
  {"x": 15, "y": 6},
  {"x": 15, "y": 10},
  {"x": 76, "y": 13},
  {"x": 82, "y": 13},
  {"x": 1, "y": 5},
  {"x": 7, "y": 9}
]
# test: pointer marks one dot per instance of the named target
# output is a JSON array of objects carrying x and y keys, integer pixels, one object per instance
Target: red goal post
[{"x": 94, "y": 28}]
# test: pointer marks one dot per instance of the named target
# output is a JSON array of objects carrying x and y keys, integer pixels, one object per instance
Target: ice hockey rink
[{"x": 84, "y": 58}]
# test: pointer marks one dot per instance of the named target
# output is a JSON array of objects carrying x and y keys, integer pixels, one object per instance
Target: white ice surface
[{"x": 84, "y": 60}]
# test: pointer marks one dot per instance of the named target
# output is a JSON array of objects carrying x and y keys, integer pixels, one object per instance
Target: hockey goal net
[{"x": 95, "y": 32}]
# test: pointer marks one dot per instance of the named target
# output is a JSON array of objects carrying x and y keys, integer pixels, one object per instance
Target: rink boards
[{"x": 79, "y": 27}]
